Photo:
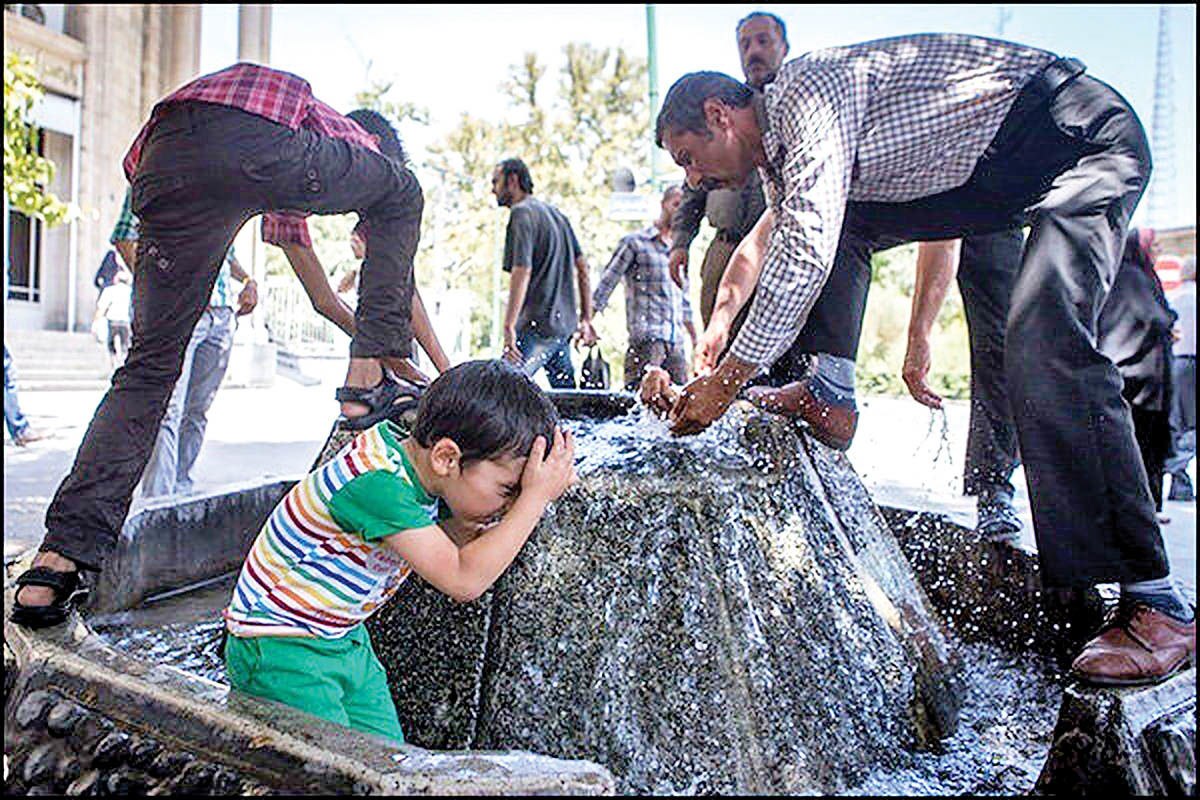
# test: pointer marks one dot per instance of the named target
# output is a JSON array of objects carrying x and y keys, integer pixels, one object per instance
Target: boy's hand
[
  {"x": 546, "y": 477},
  {"x": 656, "y": 390}
]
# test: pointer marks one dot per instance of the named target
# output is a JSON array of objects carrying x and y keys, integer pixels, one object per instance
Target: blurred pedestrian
[
  {"x": 541, "y": 254},
  {"x": 113, "y": 309},
  {"x": 657, "y": 312},
  {"x": 1183, "y": 407},
  {"x": 1134, "y": 330},
  {"x": 19, "y": 429}
]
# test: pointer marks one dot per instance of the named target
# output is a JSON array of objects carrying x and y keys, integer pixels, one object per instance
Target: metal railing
[{"x": 293, "y": 323}]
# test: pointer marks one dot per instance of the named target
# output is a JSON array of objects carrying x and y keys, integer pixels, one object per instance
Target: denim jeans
[
  {"x": 205, "y": 170},
  {"x": 182, "y": 429},
  {"x": 14, "y": 420},
  {"x": 551, "y": 352}
]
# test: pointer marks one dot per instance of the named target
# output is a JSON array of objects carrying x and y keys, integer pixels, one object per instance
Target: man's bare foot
[
  {"x": 44, "y": 595},
  {"x": 364, "y": 373},
  {"x": 406, "y": 369},
  {"x": 831, "y": 425}
]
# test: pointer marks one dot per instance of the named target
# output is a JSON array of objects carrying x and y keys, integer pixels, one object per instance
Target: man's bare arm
[
  {"x": 518, "y": 284},
  {"x": 312, "y": 277},
  {"x": 737, "y": 284},
  {"x": 425, "y": 334},
  {"x": 937, "y": 263}
]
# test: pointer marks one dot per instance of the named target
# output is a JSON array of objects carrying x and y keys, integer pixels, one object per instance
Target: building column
[
  {"x": 254, "y": 33},
  {"x": 183, "y": 63}
]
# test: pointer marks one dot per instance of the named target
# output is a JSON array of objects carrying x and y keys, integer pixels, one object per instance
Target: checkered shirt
[
  {"x": 278, "y": 96},
  {"x": 655, "y": 308},
  {"x": 888, "y": 121}
]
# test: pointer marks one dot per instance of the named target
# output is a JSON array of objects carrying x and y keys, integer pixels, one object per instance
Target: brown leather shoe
[
  {"x": 833, "y": 426},
  {"x": 1137, "y": 645}
]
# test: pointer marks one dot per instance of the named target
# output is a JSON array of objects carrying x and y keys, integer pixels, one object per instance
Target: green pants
[{"x": 336, "y": 679}]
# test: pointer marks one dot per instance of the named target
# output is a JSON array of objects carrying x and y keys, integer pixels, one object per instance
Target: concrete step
[{"x": 62, "y": 385}]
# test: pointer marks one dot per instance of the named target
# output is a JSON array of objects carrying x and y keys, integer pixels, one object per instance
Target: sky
[{"x": 452, "y": 59}]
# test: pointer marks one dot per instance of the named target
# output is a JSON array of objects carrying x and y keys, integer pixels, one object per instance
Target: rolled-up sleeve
[
  {"x": 817, "y": 119},
  {"x": 285, "y": 227}
]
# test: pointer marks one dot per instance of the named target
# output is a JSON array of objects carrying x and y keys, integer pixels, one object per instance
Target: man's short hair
[
  {"x": 515, "y": 166},
  {"x": 672, "y": 188},
  {"x": 490, "y": 409},
  {"x": 683, "y": 108},
  {"x": 768, "y": 15},
  {"x": 378, "y": 126}
]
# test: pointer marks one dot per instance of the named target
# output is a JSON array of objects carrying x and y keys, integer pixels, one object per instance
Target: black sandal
[
  {"x": 68, "y": 592},
  {"x": 389, "y": 397}
]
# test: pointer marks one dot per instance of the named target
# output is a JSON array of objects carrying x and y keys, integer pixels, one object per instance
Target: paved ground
[{"x": 908, "y": 455}]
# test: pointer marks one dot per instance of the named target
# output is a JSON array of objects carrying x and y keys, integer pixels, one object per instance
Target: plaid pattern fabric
[
  {"x": 655, "y": 308},
  {"x": 126, "y": 228},
  {"x": 278, "y": 96},
  {"x": 886, "y": 121}
]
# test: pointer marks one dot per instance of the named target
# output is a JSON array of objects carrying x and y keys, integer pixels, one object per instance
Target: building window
[
  {"x": 25, "y": 249},
  {"x": 25, "y": 257}
]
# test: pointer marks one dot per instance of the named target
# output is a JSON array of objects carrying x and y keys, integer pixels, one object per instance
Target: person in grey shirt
[{"x": 540, "y": 249}]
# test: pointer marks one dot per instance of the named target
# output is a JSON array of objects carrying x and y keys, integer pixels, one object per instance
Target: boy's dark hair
[
  {"x": 756, "y": 14},
  {"x": 683, "y": 109},
  {"x": 377, "y": 125},
  {"x": 489, "y": 409},
  {"x": 515, "y": 166}
]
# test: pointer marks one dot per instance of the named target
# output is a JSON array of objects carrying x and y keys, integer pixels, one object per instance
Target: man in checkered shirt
[
  {"x": 938, "y": 136},
  {"x": 657, "y": 312}
]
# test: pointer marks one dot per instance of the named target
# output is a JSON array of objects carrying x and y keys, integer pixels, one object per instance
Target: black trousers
[
  {"x": 204, "y": 171},
  {"x": 987, "y": 271},
  {"x": 1071, "y": 160}
]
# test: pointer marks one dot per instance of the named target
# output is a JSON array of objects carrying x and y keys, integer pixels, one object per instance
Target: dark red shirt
[{"x": 272, "y": 94}]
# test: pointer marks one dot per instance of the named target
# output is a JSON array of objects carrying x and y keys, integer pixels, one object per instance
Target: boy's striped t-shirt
[{"x": 318, "y": 567}]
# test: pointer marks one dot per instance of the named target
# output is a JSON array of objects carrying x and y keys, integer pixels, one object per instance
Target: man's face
[
  {"x": 500, "y": 188},
  {"x": 670, "y": 204},
  {"x": 761, "y": 49},
  {"x": 715, "y": 160}
]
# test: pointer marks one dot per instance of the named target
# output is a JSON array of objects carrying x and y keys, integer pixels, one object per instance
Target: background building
[{"x": 103, "y": 68}]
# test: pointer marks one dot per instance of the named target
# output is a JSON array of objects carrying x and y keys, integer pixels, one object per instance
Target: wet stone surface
[{"x": 721, "y": 613}]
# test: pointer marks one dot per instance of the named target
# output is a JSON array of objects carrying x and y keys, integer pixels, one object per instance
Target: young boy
[{"x": 486, "y": 441}]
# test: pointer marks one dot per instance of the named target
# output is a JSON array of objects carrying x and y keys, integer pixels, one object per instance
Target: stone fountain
[{"x": 723, "y": 613}]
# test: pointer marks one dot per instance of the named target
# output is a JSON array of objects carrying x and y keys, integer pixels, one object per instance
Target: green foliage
[
  {"x": 26, "y": 174},
  {"x": 571, "y": 139}
]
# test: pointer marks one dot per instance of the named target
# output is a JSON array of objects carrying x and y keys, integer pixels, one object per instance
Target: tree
[{"x": 26, "y": 174}]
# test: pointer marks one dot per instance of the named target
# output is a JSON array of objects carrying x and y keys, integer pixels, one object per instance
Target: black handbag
[{"x": 594, "y": 372}]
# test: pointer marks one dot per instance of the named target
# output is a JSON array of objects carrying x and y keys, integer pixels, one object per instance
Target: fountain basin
[{"x": 644, "y": 641}]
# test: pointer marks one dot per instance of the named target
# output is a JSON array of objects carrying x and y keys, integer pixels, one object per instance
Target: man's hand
[
  {"x": 678, "y": 262},
  {"x": 656, "y": 390},
  {"x": 511, "y": 353},
  {"x": 585, "y": 334},
  {"x": 247, "y": 298},
  {"x": 706, "y": 398},
  {"x": 917, "y": 360},
  {"x": 348, "y": 281},
  {"x": 707, "y": 351},
  {"x": 546, "y": 477}
]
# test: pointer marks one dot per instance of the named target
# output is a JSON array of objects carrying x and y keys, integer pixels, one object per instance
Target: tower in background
[{"x": 1162, "y": 193}]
